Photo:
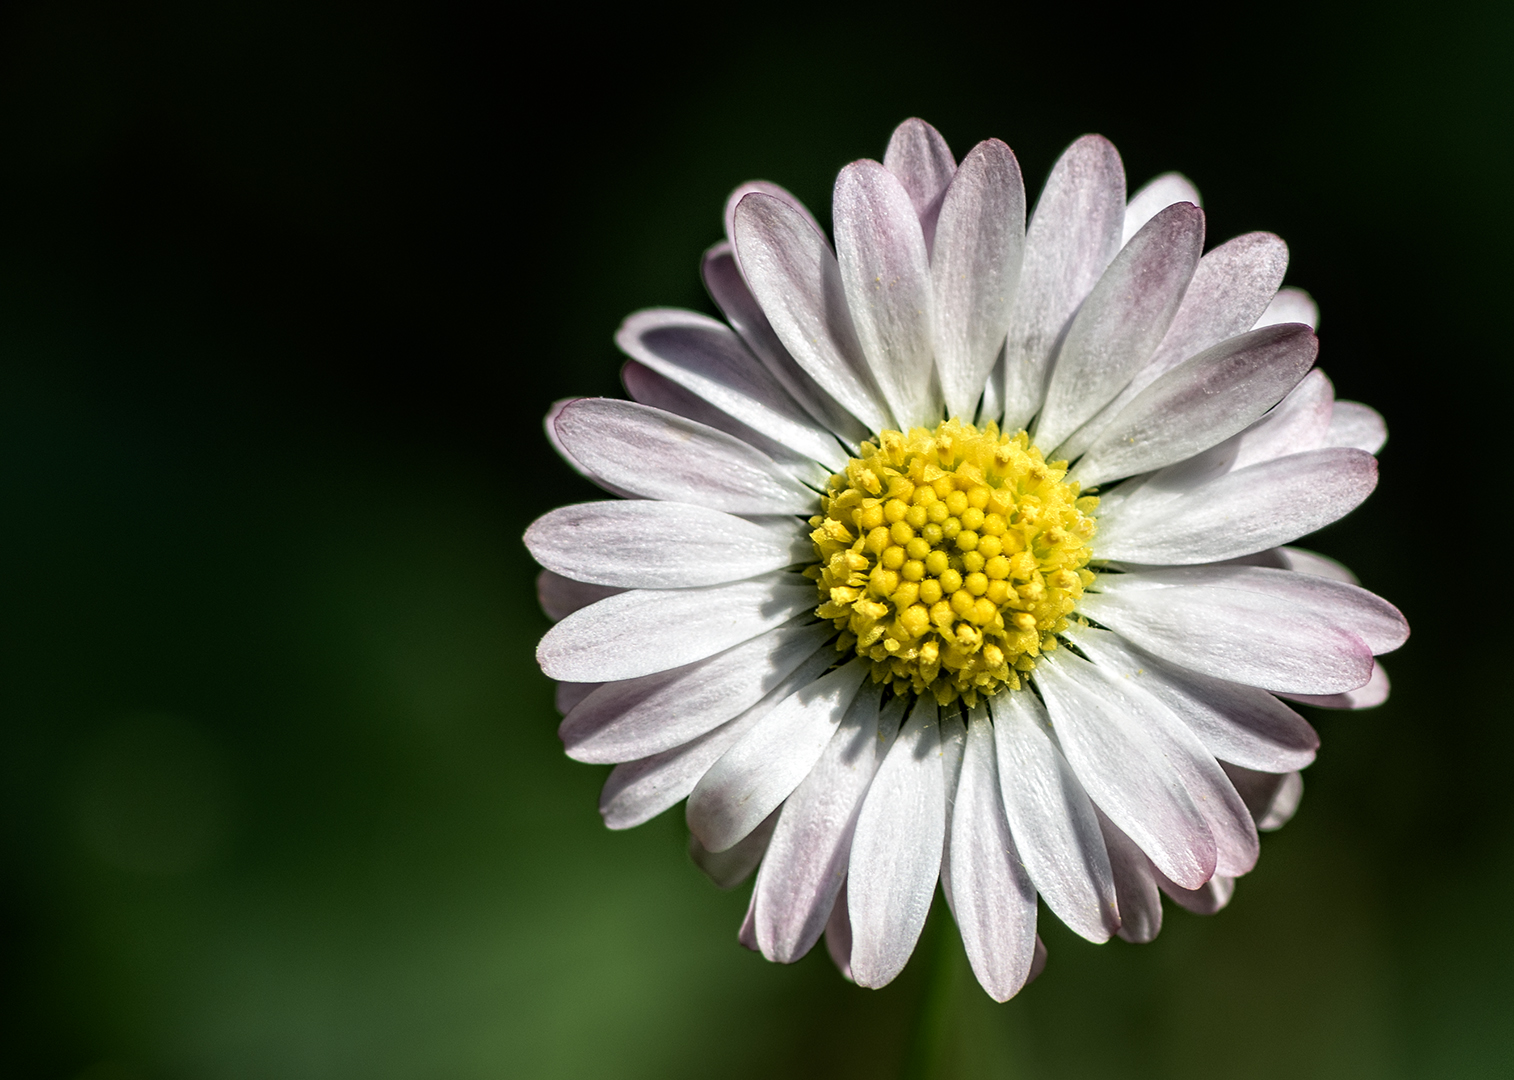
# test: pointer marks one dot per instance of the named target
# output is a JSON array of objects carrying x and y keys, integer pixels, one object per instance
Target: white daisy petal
[
  {"x": 1303, "y": 561},
  {"x": 1236, "y": 723},
  {"x": 722, "y": 278},
  {"x": 886, "y": 273},
  {"x": 1373, "y": 694},
  {"x": 1239, "y": 512},
  {"x": 1299, "y": 423},
  {"x": 791, "y": 271},
  {"x": 1272, "y": 798},
  {"x": 640, "y": 790},
  {"x": 1055, "y": 828},
  {"x": 708, "y": 359},
  {"x": 806, "y": 863},
  {"x": 636, "y": 633},
  {"x": 560, "y": 597},
  {"x": 1155, "y": 197},
  {"x": 1200, "y": 403},
  {"x": 896, "y": 851},
  {"x": 661, "y": 456},
  {"x": 920, "y": 158},
  {"x": 635, "y": 718},
  {"x": 731, "y": 867},
  {"x": 646, "y": 387},
  {"x": 772, "y": 191},
  {"x": 995, "y": 904},
  {"x": 975, "y": 265},
  {"x": 1240, "y": 636},
  {"x": 1108, "y": 730},
  {"x": 567, "y": 695},
  {"x": 549, "y": 425},
  {"x": 1358, "y": 425},
  {"x": 1290, "y": 305},
  {"x": 1135, "y": 885},
  {"x": 768, "y": 763},
  {"x": 644, "y": 544},
  {"x": 1207, "y": 899},
  {"x": 1073, "y": 234},
  {"x": 838, "y": 935},
  {"x": 1118, "y": 327},
  {"x": 953, "y": 743},
  {"x": 1377, "y": 622}
]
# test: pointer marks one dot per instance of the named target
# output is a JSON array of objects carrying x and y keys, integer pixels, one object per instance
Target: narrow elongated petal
[
  {"x": 635, "y": 718},
  {"x": 1107, "y": 729},
  {"x": 807, "y": 860},
  {"x": 731, "y": 867},
  {"x": 640, "y": 790},
  {"x": 920, "y": 158},
  {"x": 794, "y": 276},
  {"x": 886, "y": 274},
  {"x": 1135, "y": 885},
  {"x": 953, "y": 743},
  {"x": 772, "y": 191},
  {"x": 1200, "y": 403},
  {"x": 1300, "y": 422},
  {"x": 1369, "y": 617},
  {"x": 729, "y": 290},
  {"x": 549, "y": 424},
  {"x": 1051, "y": 819},
  {"x": 1240, "y": 724},
  {"x": 1072, "y": 236},
  {"x": 646, "y": 387},
  {"x": 560, "y": 597},
  {"x": 1358, "y": 425},
  {"x": 636, "y": 633},
  {"x": 1155, "y": 197},
  {"x": 838, "y": 935},
  {"x": 1240, "y": 512},
  {"x": 994, "y": 902},
  {"x": 896, "y": 851},
  {"x": 1370, "y": 696},
  {"x": 1290, "y": 305},
  {"x": 1208, "y": 899},
  {"x": 645, "y": 544},
  {"x": 662, "y": 456},
  {"x": 975, "y": 266},
  {"x": 708, "y": 359},
  {"x": 1118, "y": 327},
  {"x": 567, "y": 695},
  {"x": 767, "y": 764},
  {"x": 1303, "y": 561},
  {"x": 1244, "y": 637}
]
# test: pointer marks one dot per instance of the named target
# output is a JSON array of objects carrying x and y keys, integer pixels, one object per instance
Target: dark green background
[{"x": 284, "y": 290}]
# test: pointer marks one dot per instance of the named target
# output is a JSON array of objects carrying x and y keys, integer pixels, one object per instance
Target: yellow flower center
[{"x": 951, "y": 558}]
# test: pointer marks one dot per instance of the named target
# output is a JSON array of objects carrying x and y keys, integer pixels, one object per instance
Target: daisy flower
[{"x": 956, "y": 554}]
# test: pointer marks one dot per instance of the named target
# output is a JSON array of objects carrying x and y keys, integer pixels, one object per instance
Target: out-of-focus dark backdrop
[{"x": 284, "y": 291}]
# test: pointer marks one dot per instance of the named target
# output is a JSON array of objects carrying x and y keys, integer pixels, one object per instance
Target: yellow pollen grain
[{"x": 951, "y": 558}]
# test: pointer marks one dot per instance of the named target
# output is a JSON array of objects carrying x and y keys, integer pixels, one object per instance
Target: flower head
[{"x": 957, "y": 556}]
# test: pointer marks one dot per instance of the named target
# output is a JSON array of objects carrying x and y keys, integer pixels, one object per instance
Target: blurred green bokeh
[{"x": 284, "y": 290}]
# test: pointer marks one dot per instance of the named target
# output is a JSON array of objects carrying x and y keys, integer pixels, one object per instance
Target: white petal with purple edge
[
  {"x": 707, "y": 358},
  {"x": 1051, "y": 819},
  {"x": 1135, "y": 885},
  {"x": 646, "y": 544},
  {"x": 896, "y": 851},
  {"x": 1245, "y": 637},
  {"x": 635, "y": 718},
  {"x": 975, "y": 265},
  {"x": 1155, "y": 197},
  {"x": 1304, "y": 561},
  {"x": 1073, "y": 234},
  {"x": 1300, "y": 422},
  {"x": 1240, "y": 512},
  {"x": 1370, "y": 696},
  {"x": 795, "y": 278},
  {"x": 1200, "y": 403},
  {"x": 995, "y": 904},
  {"x": 662, "y": 456},
  {"x": 560, "y": 597},
  {"x": 886, "y": 272},
  {"x": 1358, "y": 425},
  {"x": 729, "y": 868},
  {"x": 636, "y": 633},
  {"x": 1118, "y": 327},
  {"x": 1108, "y": 730},
  {"x": 920, "y": 158},
  {"x": 1290, "y": 305},
  {"x": 1240, "y": 724},
  {"x": 807, "y": 860},
  {"x": 768, "y": 763}
]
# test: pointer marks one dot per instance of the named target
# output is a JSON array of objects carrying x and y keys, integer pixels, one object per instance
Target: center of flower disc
[{"x": 951, "y": 558}]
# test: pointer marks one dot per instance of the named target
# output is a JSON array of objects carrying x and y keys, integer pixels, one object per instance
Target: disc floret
[{"x": 951, "y": 558}]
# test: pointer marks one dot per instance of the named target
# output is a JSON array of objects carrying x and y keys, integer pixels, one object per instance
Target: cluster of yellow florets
[{"x": 951, "y": 558}]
